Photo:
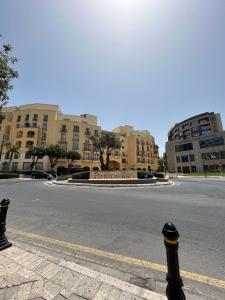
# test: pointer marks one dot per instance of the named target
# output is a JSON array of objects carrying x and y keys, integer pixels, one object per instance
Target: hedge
[
  {"x": 81, "y": 175},
  {"x": 8, "y": 175}
]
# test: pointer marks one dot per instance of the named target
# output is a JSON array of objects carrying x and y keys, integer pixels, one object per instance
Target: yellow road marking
[{"x": 139, "y": 262}]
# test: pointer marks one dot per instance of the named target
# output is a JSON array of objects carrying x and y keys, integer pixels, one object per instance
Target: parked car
[{"x": 41, "y": 174}]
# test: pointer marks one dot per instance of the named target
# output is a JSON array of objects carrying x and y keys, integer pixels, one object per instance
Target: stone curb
[{"x": 63, "y": 183}]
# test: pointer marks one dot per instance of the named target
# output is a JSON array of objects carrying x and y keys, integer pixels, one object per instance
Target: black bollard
[
  {"x": 4, "y": 243},
  {"x": 174, "y": 289}
]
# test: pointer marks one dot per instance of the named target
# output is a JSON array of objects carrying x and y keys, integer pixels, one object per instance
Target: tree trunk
[{"x": 101, "y": 160}]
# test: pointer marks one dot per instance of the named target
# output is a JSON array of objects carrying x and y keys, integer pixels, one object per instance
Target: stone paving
[{"x": 39, "y": 276}]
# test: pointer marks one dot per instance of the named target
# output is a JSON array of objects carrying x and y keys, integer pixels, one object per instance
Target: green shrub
[
  {"x": 8, "y": 175},
  {"x": 158, "y": 175},
  {"x": 81, "y": 175},
  {"x": 144, "y": 175}
]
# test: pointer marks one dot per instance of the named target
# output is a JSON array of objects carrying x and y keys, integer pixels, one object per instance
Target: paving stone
[
  {"x": 49, "y": 271},
  {"x": 127, "y": 296},
  {"x": 11, "y": 293},
  {"x": 51, "y": 290},
  {"x": 107, "y": 292},
  {"x": 59, "y": 297},
  {"x": 33, "y": 262},
  {"x": 68, "y": 279},
  {"x": 37, "y": 289},
  {"x": 66, "y": 293},
  {"x": 24, "y": 291},
  {"x": 14, "y": 278},
  {"x": 75, "y": 297},
  {"x": 91, "y": 289},
  {"x": 2, "y": 293},
  {"x": 82, "y": 285},
  {"x": 3, "y": 283}
]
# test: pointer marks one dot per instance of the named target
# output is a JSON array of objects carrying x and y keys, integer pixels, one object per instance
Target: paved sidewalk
[{"x": 36, "y": 275}]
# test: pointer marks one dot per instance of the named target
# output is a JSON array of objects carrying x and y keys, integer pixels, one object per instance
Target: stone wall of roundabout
[{"x": 112, "y": 179}]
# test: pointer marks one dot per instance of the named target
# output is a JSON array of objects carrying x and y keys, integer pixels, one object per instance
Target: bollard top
[
  {"x": 170, "y": 232},
  {"x": 4, "y": 202}
]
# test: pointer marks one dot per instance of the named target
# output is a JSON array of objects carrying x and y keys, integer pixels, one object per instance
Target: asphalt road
[{"x": 128, "y": 222}]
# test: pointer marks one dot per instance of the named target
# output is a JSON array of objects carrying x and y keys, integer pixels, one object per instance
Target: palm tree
[{"x": 11, "y": 150}]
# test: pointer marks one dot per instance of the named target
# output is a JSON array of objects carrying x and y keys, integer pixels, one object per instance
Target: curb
[{"x": 64, "y": 183}]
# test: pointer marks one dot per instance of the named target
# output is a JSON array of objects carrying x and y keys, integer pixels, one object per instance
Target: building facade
[
  {"x": 138, "y": 150},
  {"x": 197, "y": 144},
  {"x": 45, "y": 124}
]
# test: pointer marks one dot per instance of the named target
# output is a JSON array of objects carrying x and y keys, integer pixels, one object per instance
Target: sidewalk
[{"x": 35, "y": 275}]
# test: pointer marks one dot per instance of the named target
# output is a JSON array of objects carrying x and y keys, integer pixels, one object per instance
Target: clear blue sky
[{"x": 147, "y": 63}]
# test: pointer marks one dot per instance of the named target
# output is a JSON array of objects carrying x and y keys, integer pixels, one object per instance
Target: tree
[
  {"x": 54, "y": 153},
  {"x": 104, "y": 144},
  {"x": 7, "y": 73},
  {"x": 36, "y": 153},
  {"x": 72, "y": 156},
  {"x": 11, "y": 150},
  {"x": 165, "y": 163},
  {"x": 161, "y": 163}
]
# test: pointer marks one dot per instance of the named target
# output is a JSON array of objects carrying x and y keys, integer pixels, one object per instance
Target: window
[
  {"x": 96, "y": 156},
  {"x": 35, "y": 125},
  {"x": 184, "y": 158},
  {"x": 86, "y": 156},
  {"x": 184, "y": 147},
  {"x": 222, "y": 154},
  {"x": 27, "y": 125},
  {"x": 137, "y": 141},
  {"x": 35, "y": 117},
  {"x": 75, "y": 137},
  {"x": 63, "y": 136},
  {"x": 213, "y": 142},
  {"x": 75, "y": 146},
  {"x": 96, "y": 132},
  {"x": 18, "y": 118},
  {"x": 87, "y": 131},
  {"x": 30, "y": 134},
  {"x": 44, "y": 127},
  {"x": 16, "y": 156},
  {"x": 26, "y": 166},
  {"x": 15, "y": 166},
  {"x": 178, "y": 159},
  {"x": 19, "y": 134},
  {"x": 192, "y": 157},
  {"x": 43, "y": 136},
  {"x": 29, "y": 144},
  {"x": 39, "y": 166},
  {"x": 193, "y": 169},
  {"x": 138, "y": 159},
  {"x": 143, "y": 148},
  {"x": 63, "y": 128},
  {"x": 45, "y": 118},
  {"x": 124, "y": 161},
  {"x": 87, "y": 139},
  {"x": 87, "y": 147},
  {"x": 27, "y": 117},
  {"x": 186, "y": 170},
  {"x": 194, "y": 122},
  {"x": 19, "y": 143},
  {"x": 76, "y": 128},
  {"x": 7, "y": 155}
]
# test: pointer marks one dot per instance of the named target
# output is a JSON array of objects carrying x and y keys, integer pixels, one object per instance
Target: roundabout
[{"x": 131, "y": 178}]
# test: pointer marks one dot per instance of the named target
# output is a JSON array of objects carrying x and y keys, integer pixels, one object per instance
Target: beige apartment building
[
  {"x": 45, "y": 124},
  {"x": 197, "y": 145}
]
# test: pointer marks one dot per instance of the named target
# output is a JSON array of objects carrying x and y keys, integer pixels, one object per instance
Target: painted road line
[{"x": 130, "y": 260}]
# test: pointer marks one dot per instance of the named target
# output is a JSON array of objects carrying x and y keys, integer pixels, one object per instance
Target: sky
[{"x": 145, "y": 63}]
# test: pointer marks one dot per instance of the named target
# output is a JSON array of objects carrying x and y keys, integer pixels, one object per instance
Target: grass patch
[{"x": 203, "y": 174}]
